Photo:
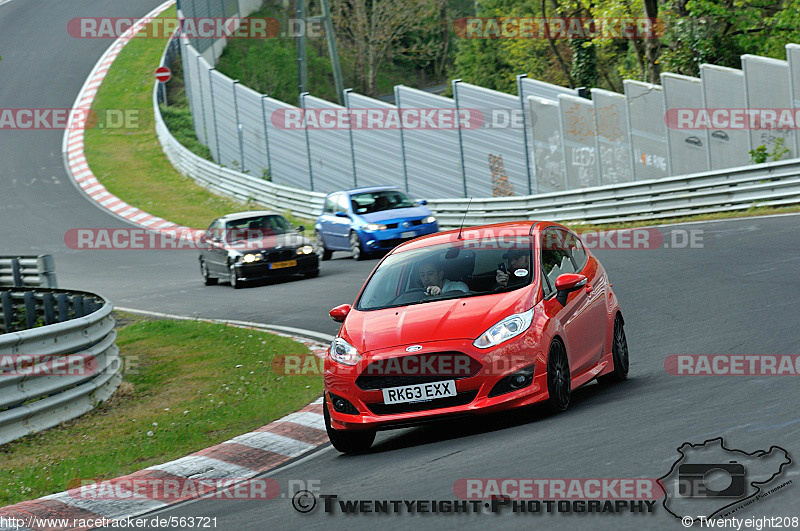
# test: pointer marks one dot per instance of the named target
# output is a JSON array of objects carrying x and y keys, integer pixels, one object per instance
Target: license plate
[
  {"x": 409, "y": 234},
  {"x": 279, "y": 265},
  {"x": 419, "y": 392}
]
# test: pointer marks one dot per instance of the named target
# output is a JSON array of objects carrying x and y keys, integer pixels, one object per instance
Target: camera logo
[
  {"x": 703, "y": 480},
  {"x": 710, "y": 480}
]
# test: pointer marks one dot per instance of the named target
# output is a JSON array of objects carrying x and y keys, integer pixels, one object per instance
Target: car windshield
[
  {"x": 256, "y": 227},
  {"x": 369, "y": 202},
  {"x": 447, "y": 271}
]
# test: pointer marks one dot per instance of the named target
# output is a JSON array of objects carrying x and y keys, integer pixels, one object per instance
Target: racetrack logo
[
  {"x": 732, "y": 364},
  {"x": 60, "y": 119},
  {"x": 709, "y": 480},
  {"x": 87, "y": 239},
  {"x": 558, "y": 28},
  {"x": 175, "y": 489},
  {"x": 717, "y": 119},
  {"x": 558, "y": 488},
  {"x": 30, "y": 365},
  {"x": 165, "y": 27},
  {"x": 392, "y": 119}
]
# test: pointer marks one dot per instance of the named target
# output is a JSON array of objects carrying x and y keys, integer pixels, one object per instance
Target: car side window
[
  {"x": 578, "y": 252},
  {"x": 330, "y": 203},
  {"x": 342, "y": 203},
  {"x": 213, "y": 230},
  {"x": 555, "y": 259}
]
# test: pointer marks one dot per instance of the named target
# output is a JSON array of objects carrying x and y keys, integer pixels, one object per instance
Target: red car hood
[{"x": 465, "y": 318}]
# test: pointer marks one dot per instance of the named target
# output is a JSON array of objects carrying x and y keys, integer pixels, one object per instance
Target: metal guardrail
[
  {"x": 731, "y": 189},
  {"x": 47, "y": 331},
  {"x": 28, "y": 271},
  {"x": 229, "y": 182}
]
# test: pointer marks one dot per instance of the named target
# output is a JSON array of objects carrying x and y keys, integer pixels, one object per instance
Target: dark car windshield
[
  {"x": 369, "y": 202},
  {"x": 256, "y": 227},
  {"x": 458, "y": 271}
]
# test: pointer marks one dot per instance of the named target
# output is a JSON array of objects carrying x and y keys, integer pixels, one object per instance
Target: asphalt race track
[{"x": 736, "y": 295}]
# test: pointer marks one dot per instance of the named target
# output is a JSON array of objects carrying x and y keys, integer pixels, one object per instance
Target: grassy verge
[
  {"x": 129, "y": 161},
  {"x": 187, "y": 385}
]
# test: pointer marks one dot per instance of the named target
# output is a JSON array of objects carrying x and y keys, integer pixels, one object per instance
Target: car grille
[
  {"x": 416, "y": 222},
  {"x": 462, "y": 398},
  {"x": 278, "y": 256},
  {"x": 381, "y": 374},
  {"x": 393, "y": 242},
  {"x": 391, "y": 225}
]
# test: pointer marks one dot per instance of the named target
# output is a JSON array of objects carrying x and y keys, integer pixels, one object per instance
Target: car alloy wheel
[
  {"x": 355, "y": 247},
  {"x": 207, "y": 279},
  {"x": 347, "y": 442},
  {"x": 319, "y": 247},
  {"x": 559, "y": 381},
  {"x": 619, "y": 355}
]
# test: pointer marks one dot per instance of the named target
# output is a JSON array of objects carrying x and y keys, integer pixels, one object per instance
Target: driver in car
[
  {"x": 518, "y": 259},
  {"x": 432, "y": 277}
]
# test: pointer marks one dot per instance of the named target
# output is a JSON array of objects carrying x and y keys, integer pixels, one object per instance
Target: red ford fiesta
[{"x": 473, "y": 321}]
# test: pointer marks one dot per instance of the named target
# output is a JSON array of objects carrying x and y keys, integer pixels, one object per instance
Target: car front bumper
[
  {"x": 473, "y": 391},
  {"x": 258, "y": 270},
  {"x": 388, "y": 239}
]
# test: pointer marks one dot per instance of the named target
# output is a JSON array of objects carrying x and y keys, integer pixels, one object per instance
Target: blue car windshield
[
  {"x": 369, "y": 202},
  {"x": 447, "y": 271}
]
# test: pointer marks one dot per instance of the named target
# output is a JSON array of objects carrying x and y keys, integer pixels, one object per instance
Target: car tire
[
  {"x": 355, "y": 247},
  {"x": 347, "y": 442},
  {"x": 319, "y": 247},
  {"x": 234, "y": 282},
  {"x": 208, "y": 280},
  {"x": 559, "y": 381},
  {"x": 619, "y": 355}
]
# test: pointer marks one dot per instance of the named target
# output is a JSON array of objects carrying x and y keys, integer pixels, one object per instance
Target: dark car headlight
[{"x": 305, "y": 249}]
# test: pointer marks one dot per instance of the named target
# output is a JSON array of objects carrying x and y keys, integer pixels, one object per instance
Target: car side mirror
[
  {"x": 567, "y": 283},
  {"x": 423, "y": 202},
  {"x": 339, "y": 313},
  {"x": 300, "y": 228},
  {"x": 340, "y": 214}
]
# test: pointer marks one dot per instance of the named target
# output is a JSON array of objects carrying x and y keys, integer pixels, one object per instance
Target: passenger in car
[
  {"x": 518, "y": 261},
  {"x": 432, "y": 278}
]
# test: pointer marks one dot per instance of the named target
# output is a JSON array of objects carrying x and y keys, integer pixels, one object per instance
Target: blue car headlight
[{"x": 374, "y": 227}]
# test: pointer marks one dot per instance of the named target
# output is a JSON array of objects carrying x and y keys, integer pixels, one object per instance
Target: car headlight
[
  {"x": 344, "y": 352},
  {"x": 511, "y": 326},
  {"x": 249, "y": 258},
  {"x": 429, "y": 219},
  {"x": 374, "y": 226},
  {"x": 306, "y": 249}
]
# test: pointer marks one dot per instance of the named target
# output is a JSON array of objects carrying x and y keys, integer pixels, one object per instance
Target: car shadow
[{"x": 592, "y": 395}]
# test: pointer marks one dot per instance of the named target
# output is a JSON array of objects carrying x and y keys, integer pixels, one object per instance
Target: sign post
[{"x": 163, "y": 74}]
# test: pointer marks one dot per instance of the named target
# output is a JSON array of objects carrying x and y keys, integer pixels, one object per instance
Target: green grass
[
  {"x": 192, "y": 384},
  {"x": 129, "y": 161}
]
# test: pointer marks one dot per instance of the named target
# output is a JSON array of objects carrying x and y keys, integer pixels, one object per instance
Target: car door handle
[{"x": 589, "y": 289}]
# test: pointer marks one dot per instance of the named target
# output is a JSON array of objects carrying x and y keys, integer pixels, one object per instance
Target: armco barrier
[
  {"x": 229, "y": 182},
  {"x": 730, "y": 189},
  {"x": 44, "y": 329},
  {"x": 27, "y": 271}
]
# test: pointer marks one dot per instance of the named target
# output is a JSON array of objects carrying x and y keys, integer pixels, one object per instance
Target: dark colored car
[
  {"x": 255, "y": 245},
  {"x": 368, "y": 220}
]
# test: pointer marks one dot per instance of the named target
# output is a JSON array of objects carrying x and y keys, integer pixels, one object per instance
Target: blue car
[{"x": 367, "y": 220}]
